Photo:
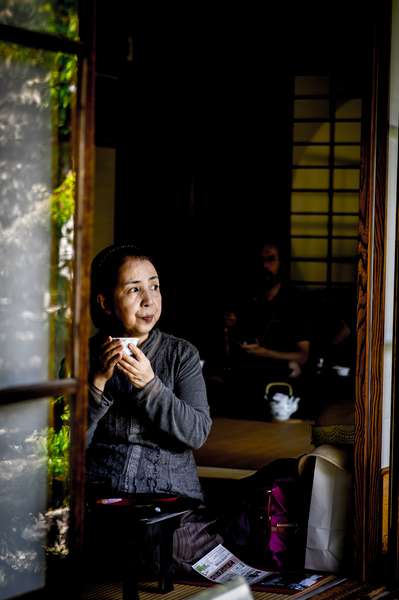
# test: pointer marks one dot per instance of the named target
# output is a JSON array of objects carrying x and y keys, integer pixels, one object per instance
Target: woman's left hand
[{"x": 137, "y": 368}]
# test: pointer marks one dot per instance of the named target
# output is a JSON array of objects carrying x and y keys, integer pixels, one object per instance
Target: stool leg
[
  {"x": 129, "y": 589},
  {"x": 166, "y": 567},
  {"x": 130, "y": 566}
]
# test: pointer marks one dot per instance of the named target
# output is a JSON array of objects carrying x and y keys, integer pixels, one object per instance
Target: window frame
[
  {"x": 83, "y": 153},
  {"x": 331, "y": 98}
]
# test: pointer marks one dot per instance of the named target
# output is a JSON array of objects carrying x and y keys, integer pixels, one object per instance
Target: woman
[{"x": 148, "y": 411}]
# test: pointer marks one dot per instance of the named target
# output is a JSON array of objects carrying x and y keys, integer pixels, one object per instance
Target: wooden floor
[{"x": 241, "y": 444}]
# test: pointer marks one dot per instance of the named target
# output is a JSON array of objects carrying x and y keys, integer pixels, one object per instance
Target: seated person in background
[
  {"x": 148, "y": 411},
  {"x": 267, "y": 338}
]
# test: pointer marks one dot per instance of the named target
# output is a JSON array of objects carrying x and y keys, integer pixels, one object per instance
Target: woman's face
[{"x": 137, "y": 301}]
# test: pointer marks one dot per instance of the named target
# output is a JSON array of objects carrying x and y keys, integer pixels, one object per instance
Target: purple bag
[
  {"x": 268, "y": 528},
  {"x": 285, "y": 540}
]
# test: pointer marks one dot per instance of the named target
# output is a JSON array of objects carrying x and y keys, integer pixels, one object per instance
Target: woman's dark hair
[{"x": 104, "y": 276}]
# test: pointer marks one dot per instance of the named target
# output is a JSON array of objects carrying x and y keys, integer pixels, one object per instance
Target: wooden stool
[{"x": 129, "y": 520}]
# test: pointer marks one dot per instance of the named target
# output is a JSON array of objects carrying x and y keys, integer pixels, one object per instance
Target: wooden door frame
[
  {"x": 85, "y": 156},
  {"x": 393, "y": 506},
  {"x": 371, "y": 302}
]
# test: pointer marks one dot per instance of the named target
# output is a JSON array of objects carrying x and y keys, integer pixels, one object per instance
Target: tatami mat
[
  {"x": 149, "y": 591},
  {"x": 348, "y": 590},
  {"x": 113, "y": 591}
]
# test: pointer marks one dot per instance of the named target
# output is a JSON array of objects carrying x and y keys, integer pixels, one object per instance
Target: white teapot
[{"x": 283, "y": 406}]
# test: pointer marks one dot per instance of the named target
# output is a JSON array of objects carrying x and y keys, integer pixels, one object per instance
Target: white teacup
[
  {"x": 127, "y": 340},
  {"x": 341, "y": 371}
]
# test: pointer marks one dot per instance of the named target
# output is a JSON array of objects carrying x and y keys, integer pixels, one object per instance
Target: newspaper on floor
[{"x": 220, "y": 566}]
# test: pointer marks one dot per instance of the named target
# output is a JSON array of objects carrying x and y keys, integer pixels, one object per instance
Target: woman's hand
[
  {"x": 137, "y": 368},
  {"x": 295, "y": 369},
  {"x": 109, "y": 355},
  {"x": 295, "y": 358},
  {"x": 255, "y": 350}
]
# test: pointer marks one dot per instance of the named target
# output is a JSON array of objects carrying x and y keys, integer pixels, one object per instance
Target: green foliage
[
  {"x": 55, "y": 17},
  {"x": 19, "y": 54},
  {"x": 61, "y": 409},
  {"x": 58, "y": 452},
  {"x": 63, "y": 200},
  {"x": 61, "y": 19},
  {"x": 58, "y": 17},
  {"x": 54, "y": 446},
  {"x": 58, "y": 440},
  {"x": 62, "y": 83}
]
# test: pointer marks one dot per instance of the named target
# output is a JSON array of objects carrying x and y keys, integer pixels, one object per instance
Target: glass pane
[
  {"x": 344, "y": 248},
  {"x": 347, "y": 155},
  {"x": 311, "y": 155},
  {"x": 345, "y": 225},
  {"x": 34, "y": 502},
  {"x": 308, "y": 225},
  {"x": 37, "y": 198},
  {"x": 311, "y": 109},
  {"x": 308, "y": 271},
  {"x": 312, "y": 85},
  {"x": 347, "y": 132},
  {"x": 346, "y": 178},
  {"x": 349, "y": 109},
  {"x": 311, "y": 132},
  {"x": 308, "y": 248},
  {"x": 346, "y": 202},
  {"x": 58, "y": 17},
  {"x": 343, "y": 273},
  {"x": 309, "y": 202},
  {"x": 310, "y": 178}
]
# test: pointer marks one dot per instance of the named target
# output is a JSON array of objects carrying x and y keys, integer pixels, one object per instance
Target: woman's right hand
[{"x": 109, "y": 355}]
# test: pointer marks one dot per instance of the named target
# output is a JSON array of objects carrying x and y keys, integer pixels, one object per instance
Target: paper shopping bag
[{"x": 329, "y": 510}]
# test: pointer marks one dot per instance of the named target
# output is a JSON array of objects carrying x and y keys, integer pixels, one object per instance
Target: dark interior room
[{"x": 201, "y": 118}]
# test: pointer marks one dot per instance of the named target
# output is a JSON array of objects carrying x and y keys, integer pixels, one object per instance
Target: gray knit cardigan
[{"x": 142, "y": 440}]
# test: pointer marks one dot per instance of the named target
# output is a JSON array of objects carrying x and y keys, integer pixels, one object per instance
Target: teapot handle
[{"x": 280, "y": 383}]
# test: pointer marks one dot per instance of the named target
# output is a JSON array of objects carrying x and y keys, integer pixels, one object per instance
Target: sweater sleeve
[
  {"x": 184, "y": 411},
  {"x": 99, "y": 404}
]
